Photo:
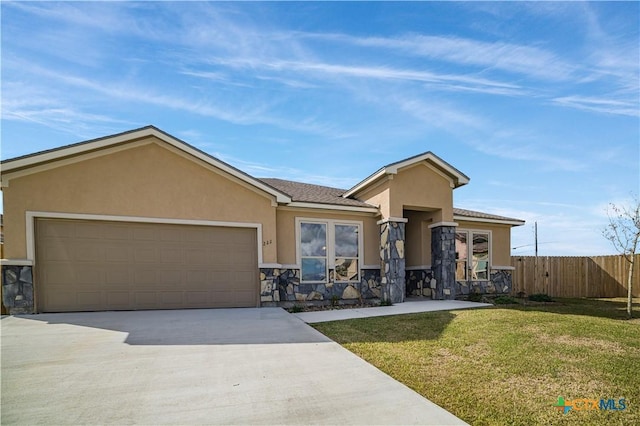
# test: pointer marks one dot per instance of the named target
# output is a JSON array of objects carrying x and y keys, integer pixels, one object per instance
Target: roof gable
[
  {"x": 32, "y": 163},
  {"x": 456, "y": 177}
]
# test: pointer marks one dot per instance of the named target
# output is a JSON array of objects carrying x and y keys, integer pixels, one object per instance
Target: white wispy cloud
[
  {"x": 263, "y": 170},
  {"x": 602, "y": 105},
  {"x": 526, "y": 60}
]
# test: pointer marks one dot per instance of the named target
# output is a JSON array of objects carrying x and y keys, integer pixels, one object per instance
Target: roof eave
[
  {"x": 512, "y": 222},
  {"x": 339, "y": 207}
]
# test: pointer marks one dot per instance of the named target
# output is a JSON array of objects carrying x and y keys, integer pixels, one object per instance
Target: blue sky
[{"x": 537, "y": 102}]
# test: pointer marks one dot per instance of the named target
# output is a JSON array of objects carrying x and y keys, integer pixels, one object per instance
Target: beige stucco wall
[
  {"x": 286, "y": 223},
  {"x": 378, "y": 196},
  {"x": 415, "y": 187},
  {"x": 146, "y": 181},
  {"x": 500, "y": 240},
  {"x": 418, "y": 236},
  {"x": 419, "y": 186}
]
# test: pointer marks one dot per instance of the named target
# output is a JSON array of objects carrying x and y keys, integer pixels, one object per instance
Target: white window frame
[
  {"x": 470, "y": 232},
  {"x": 331, "y": 241}
]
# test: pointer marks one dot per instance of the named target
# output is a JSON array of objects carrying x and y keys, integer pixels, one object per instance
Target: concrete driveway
[{"x": 226, "y": 366}]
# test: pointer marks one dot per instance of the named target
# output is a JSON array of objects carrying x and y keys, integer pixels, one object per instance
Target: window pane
[
  {"x": 314, "y": 269},
  {"x": 480, "y": 256},
  {"x": 461, "y": 256},
  {"x": 313, "y": 239},
  {"x": 461, "y": 246},
  {"x": 346, "y": 241},
  {"x": 346, "y": 269}
]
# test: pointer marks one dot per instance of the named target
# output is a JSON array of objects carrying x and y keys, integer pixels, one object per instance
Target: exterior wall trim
[
  {"x": 270, "y": 265},
  {"x": 437, "y": 224},
  {"x": 481, "y": 220},
  {"x": 393, "y": 169},
  {"x": 16, "y": 262},
  {"x": 334, "y": 207},
  {"x": 503, "y": 268},
  {"x": 370, "y": 267},
  {"x": 417, "y": 268},
  {"x": 290, "y": 266},
  {"x": 32, "y": 215},
  {"x": 392, "y": 219}
]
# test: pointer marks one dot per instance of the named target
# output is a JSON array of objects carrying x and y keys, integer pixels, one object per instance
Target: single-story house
[{"x": 142, "y": 220}]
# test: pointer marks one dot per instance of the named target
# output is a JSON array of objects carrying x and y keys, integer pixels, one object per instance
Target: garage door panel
[
  {"x": 92, "y": 265},
  {"x": 91, "y": 231},
  {"x": 88, "y": 252},
  {"x": 170, "y": 279},
  {"x": 145, "y": 298},
  {"x": 89, "y": 275},
  {"x": 89, "y": 298},
  {"x": 60, "y": 229},
  {"x": 115, "y": 231},
  {"x": 55, "y": 250},
  {"x": 145, "y": 277},
  {"x": 145, "y": 255},
  {"x": 118, "y": 300},
  {"x": 117, "y": 254},
  {"x": 171, "y": 255},
  {"x": 117, "y": 275},
  {"x": 141, "y": 233},
  {"x": 58, "y": 273},
  {"x": 195, "y": 256},
  {"x": 169, "y": 235}
]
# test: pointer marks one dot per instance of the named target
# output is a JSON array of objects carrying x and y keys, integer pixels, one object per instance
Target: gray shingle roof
[
  {"x": 306, "y": 192},
  {"x": 481, "y": 215}
]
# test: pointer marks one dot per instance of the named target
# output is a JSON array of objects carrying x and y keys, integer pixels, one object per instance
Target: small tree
[{"x": 623, "y": 231}]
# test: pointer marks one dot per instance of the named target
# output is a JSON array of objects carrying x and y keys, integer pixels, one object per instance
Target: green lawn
[{"x": 509, "y": 365}]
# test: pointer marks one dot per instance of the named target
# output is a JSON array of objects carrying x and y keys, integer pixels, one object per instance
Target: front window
[
  {"x": 313, "y": 250},
  {"x": 329, "y": 245},
  {"x": 472, "y": 255},
  {"x": 480, "y": 269},
  {"x": 346, "y": 252},
  {"x": 461, "y": 256}
]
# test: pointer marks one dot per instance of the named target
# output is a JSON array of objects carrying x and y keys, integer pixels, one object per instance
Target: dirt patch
[{"x": 583, "y": 342}]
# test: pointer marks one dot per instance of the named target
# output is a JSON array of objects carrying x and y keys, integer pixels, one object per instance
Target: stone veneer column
[
  {"x": 392, "y": 262},
  {"x": 443, "y": 259},
  {"x": 17, "y": 287}
]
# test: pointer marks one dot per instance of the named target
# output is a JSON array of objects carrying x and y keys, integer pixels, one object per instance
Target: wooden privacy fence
[{"x": 594, "y": 276}]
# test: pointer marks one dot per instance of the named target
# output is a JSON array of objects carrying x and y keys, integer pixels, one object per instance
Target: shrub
[
  {"x": 296, "y": 308},
  {"x": 335, "y": 300},
  {"x": 504, "y": 300},
  {"x": 540, "y": 297},
  {"x": 474, "y": 297}
]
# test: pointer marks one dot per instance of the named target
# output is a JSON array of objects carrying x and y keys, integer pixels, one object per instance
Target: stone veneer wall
[
  {"x": 443, "y": 261},
  {"x": 501, "y": 282},
  {"x": 17, "y": 289},
  {"x": 282, "y": 287},
  {"x": 392, "y": 259},
  {"x": 420, "y": 282}
]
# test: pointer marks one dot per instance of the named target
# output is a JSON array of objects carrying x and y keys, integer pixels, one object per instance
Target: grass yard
[{"x": 509, "y": 365}]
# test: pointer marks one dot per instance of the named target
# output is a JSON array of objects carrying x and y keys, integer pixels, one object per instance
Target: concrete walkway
[
  {"x": 210, "y": 366},
  {"x": 408, "y": 307}
]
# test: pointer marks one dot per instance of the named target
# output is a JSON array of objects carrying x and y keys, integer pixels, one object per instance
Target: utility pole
[{"x": 535, "y": 260}]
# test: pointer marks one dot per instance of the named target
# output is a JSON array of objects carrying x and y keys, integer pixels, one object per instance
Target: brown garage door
[{"x": 86, "y": 265}]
